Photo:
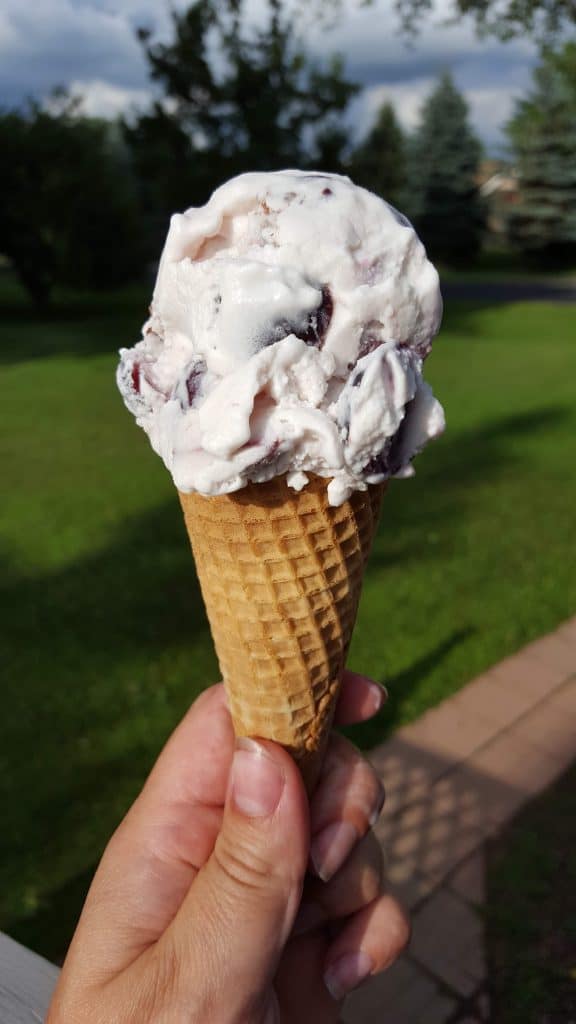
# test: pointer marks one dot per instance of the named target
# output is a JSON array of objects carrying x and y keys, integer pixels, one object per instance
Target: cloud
[
  {"x": 376, "y": 53},
  {"x": 57, "y": 41},
  {"x": 102, "y": 99},
  {"x": 8, "y": 35},
  {"x": 406, "y": 98},
  {"x": 490, "y": 108},
  {"x": 491, "y": 75},
  {"x": 92, "y": 45}
]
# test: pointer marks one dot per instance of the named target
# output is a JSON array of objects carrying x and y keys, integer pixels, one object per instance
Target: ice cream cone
[{"x": 281, "y": 574}]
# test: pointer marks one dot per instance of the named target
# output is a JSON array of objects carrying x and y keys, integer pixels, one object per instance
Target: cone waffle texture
[{"x": 281, "y": 574}]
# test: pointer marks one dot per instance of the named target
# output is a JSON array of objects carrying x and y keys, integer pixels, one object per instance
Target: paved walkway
[{"x": 453, "y": 779}]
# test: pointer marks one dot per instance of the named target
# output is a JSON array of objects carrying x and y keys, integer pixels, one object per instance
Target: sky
[{"x": 90, "y": 46}]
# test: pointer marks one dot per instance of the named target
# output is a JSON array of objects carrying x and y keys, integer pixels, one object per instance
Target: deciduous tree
[
  {"x": 236, "y": 97},
  {"x": 502, "y": 18},
  {"x": 68, "y": 214}
]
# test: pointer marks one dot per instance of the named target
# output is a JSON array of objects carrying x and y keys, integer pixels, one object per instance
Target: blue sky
[{"x": 90, "y": 45}]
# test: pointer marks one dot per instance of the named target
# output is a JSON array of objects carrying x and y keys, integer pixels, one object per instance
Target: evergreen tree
[
  {"x": 444, "y": 154},
  {"x": 543, "y": 137},
  {"x": 379, "y": 163},
  {"x": 235, "y": 98}
]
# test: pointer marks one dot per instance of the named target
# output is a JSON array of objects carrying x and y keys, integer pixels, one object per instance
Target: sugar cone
[{"x": 281, "y": 574}]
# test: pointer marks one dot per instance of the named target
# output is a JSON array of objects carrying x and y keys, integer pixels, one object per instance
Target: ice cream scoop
[{"x": 289, "y": 323}]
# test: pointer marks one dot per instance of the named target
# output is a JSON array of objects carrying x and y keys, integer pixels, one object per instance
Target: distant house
[{"x": 498, "y": 184}]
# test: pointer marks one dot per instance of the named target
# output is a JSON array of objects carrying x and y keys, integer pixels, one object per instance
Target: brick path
[{"x": 453, "y": 779}]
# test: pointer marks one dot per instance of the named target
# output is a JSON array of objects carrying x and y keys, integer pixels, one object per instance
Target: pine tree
[
  {"x": 543, "y": 137},
  {"x": 444, "y": 154},
  {"x": 379, "y": 163}
]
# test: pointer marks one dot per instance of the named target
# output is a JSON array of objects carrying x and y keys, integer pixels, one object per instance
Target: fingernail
[
  {"x": 257, "y": 781},
  {"x": 346, "y": 973},
  {"x": 331, "y": 847},
  {"x": 377, "y": 811},
  {"x": 379, "y": 695},
  {"x": 308, "y": 917}
]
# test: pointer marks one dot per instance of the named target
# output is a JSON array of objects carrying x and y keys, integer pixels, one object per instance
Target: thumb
[{"x": 232, "y": 927}]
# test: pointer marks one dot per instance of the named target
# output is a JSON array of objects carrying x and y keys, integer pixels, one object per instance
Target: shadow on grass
[
  {"x": 460, "y": 317},
  {"x": 47, "y": 916},
  {"x": 51, "y": 927},
  {"x": 96, "y": 673},
  {"x": 139, "y": 594},
  {"x": 531, "y": 911},
  {"x": 59, "y": 829},
  {"x": 78, "y": 326},
  {"x": 445, "y": 484},
  {"x": 87, "y": 655},
  {"x": 401, "y": 686}
]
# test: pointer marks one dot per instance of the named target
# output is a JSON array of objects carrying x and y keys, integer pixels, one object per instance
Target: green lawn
[
  {"x": 531, "y": 912},
  {"x": 104, "y": 634}
]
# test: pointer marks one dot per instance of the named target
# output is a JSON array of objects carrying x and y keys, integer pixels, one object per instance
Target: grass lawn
[
  {"x": 105, "y": 640},
  {"x": 531, "y": 913}
]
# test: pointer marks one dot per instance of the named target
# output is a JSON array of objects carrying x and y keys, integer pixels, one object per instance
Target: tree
[
  {"x": 505, "y": 19},
  {"x": 543, "y": 137},
  {"x": 502, "y": 18},
  {"x": 445, "y": 204},
  {"x": 67, "y": 209},
  {"x": 379, "y": 163},
  {"x": 169, "y": 173},
  {"x": 235, "y": 98}
]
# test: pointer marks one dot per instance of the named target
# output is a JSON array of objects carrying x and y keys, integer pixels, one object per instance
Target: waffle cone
[{"x": 281, "y": 574}]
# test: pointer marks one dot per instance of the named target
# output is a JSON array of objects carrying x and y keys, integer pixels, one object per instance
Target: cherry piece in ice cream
[
  {"x": 135, "y": 376},
  {"x": 318, "y": 322},
  {"x": 193, "y": 381},
  {"x": 391, "y": 459},
  {"x": 370, "y": 339},
  {"x": 312, "y": 329}
]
